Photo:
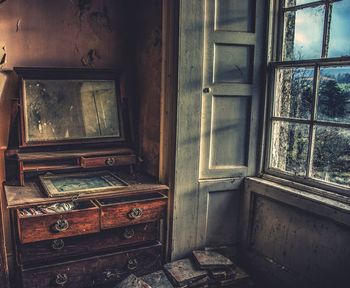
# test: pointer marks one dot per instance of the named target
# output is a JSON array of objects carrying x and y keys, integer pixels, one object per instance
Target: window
[{"x": 310, "y": 112}]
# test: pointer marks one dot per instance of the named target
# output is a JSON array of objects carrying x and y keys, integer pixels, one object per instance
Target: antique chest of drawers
[
  {"x": 81, "y": 216},
  {"x": 104, "y": 238}
]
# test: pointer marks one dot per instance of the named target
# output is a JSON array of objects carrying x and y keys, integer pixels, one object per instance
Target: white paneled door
[{"x": 221, "y": 51}]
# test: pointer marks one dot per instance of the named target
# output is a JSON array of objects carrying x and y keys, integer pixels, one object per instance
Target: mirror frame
[{"x": 28, "y": 73}]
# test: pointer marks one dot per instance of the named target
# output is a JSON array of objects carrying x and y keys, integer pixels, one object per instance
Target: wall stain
[
  {"x": 100, "y": 22},
  {"x": 2, "y": 1},
  {"x": 83, "y": 7}
]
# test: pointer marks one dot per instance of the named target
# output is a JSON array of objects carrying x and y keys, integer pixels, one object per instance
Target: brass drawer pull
[
  {"x": 57, "y": 244},
  {"x": 113, "y": 274},
  {"x": 135, "y": 213},
  {"x": 132, "y": 264},
  {"x": 128, "y": 233},
  {"x": 61, "y": 279},
  {"x": 110, "y": 161},
  {"x": 61, "y": 225}
]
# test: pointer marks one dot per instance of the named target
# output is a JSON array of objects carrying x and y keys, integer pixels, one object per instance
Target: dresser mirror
[{"x": 62, "y": 108}]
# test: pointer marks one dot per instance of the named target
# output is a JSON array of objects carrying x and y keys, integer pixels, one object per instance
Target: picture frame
[
  {"x": 70, "y": 106},
  {"x": 75, "y": 184}
]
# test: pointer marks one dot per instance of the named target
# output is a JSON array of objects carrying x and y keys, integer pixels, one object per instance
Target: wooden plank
[{"x": 54, "y": 155}]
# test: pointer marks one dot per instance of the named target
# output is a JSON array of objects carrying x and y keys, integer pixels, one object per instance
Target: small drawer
[
  {"x": 135, "y": 209},
  {"x": 98, "y": 270},
  {"x": 58, "y": 249},
  {"x": 103, "y": 161},
  {"x": 84, "y": 219}
]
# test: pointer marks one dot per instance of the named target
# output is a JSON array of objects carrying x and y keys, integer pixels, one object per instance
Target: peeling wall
[
  {"x": 86, "y": 33},
  {"x": 63, "y": 33}
]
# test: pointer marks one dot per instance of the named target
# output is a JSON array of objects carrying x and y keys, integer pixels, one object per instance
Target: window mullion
[
  {"x": 312, "y": 124},
  {"x": 326, "y": 29}
]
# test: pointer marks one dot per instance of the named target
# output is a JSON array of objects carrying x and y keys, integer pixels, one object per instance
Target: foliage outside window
[{"x": 310, "y": 121}]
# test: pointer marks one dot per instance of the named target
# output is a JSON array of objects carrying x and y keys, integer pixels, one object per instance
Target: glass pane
[
  {"x": 339, "y": 43},
  {"x": 234, "y": 15},
  {"x": 303, "y": 34},
  {"x": 290, "y": 143},
  {"x": 331, "y": 160},
  {"x": 294, "y": 92},
  {"x": 291, "y": 3},
  {"x": 82, "y": 109},
  {"x": 334, "y": 94}
]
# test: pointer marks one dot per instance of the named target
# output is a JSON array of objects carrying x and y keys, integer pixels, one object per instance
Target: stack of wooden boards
[{"x": 204, "y": 269}]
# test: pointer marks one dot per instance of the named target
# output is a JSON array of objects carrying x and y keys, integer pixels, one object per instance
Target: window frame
[{"x": 274, "y": 61}]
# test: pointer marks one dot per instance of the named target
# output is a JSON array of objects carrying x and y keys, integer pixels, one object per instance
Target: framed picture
[
  {"x": 60, "y": 106},
  {"x": 80, "y": 183}
]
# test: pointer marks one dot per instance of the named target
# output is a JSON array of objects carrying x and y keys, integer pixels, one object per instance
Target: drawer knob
[
  {"x": 132, "y": 264},
  {"x": 135, "y": 213},
  {"x": 61, "y": 225},
  {"x": 110, "y": 161},
  {"x": 61, "y": 279},
  {"x": 128, "y": 233},
  {"x": 57, "y": 244}
]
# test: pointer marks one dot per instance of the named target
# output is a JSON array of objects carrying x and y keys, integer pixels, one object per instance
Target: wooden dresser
[
  {"x": 107, "y": 236},
  {"x": 81, "y": 216}
]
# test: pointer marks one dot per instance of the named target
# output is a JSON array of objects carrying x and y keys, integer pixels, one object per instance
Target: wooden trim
[{"x": 170, "y": 22}]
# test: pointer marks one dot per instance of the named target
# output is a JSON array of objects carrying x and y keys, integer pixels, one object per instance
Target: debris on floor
[{"x": 206, "y": 269}]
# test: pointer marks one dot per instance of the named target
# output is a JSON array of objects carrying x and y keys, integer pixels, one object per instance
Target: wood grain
[
  {"x": 38, "y": 228},
  {"x": 117, "y": 215},
  {"x": 88, "y": 244},
  {"x": 95, "y": 270}
]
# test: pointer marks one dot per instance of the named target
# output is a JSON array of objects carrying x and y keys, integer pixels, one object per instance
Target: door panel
[
  {"x": 232, "y": 62},
  {"x": 219, "y": 204},
  {"x": 234, "y": 15}
]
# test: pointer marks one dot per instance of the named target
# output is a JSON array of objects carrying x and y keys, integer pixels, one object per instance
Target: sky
[{"x": 309, "y": 30}]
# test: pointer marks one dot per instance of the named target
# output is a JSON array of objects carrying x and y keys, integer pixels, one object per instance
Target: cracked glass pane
[{"x": 291, "y": 3}]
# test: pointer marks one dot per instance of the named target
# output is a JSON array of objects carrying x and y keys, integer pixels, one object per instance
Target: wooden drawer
[
  {"x": 95, "y": 270},
  {"x": 124, "y": 211},
  {"x": 58, "y": 249},
  {"x": 83, "y": 220},
  {"x": 105, "y": 161}
]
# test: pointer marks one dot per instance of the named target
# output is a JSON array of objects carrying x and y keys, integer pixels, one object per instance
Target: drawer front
[
  {"x": 107, "y": 161},
  {"x": 125, "y": 214},
  {"x": 54, "y": 226},
  {"x": 58, "y": 249},
  {"x": 96, "y": 270}
]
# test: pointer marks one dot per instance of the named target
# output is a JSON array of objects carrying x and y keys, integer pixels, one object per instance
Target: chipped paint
[
  {"x": 17, "y": 24},
  {"x": 90, "y": 57}
]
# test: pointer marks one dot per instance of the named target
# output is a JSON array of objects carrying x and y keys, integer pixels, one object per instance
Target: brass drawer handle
[
  {"x": 128, "y": 233},
  {"x": 135, "y": 213},
  {"x": 132, "y": 264},
  {"x": 57, "y": 244},
  {"x": 61, "y": 225},
  {"x": 61, "y": 279},
  {"x": 110, "y": 161},
  {"x": 113, "y": 274}
]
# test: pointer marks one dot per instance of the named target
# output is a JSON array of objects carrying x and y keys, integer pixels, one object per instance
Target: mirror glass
[{"x": 56, "y": 110}]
